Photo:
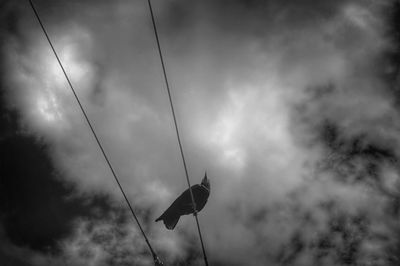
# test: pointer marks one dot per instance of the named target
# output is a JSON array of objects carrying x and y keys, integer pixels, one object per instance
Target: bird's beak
[
  {"x": 205, "y": 177},
  {"x": 205, "y": 182}
]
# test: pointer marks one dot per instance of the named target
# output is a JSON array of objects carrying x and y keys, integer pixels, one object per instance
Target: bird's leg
[{"x": 194, "y": 209}]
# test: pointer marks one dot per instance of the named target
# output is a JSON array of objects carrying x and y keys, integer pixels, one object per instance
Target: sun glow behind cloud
[
  {"x": 76, "y": 68},
  {"x": 225, "y": 133},
  {"x": 47, "y": 99},
  {"x": 248, "y": 115}
]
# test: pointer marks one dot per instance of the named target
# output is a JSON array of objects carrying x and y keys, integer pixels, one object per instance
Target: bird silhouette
[{"x": 183, "y": 204}]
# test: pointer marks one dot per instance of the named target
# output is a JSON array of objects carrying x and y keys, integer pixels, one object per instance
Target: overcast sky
[{"x": 290, "y": 106}]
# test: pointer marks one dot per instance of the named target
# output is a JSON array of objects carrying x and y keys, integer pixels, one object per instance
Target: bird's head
[{"x": 205, "y": 182}]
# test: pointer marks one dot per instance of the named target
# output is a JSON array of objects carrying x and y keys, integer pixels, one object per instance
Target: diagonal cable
[
  {"x": 177, "y": 130},
  {"x": 155, "y": 257}
]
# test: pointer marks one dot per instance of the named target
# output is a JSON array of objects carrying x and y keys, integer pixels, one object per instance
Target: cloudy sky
[{"x": 292, "y": 107}]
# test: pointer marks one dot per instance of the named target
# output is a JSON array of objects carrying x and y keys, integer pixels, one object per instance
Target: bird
[{"x": 183, "y": 204}]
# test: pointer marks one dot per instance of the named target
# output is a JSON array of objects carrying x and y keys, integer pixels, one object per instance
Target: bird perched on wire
[{"x": 183, "y": 204}]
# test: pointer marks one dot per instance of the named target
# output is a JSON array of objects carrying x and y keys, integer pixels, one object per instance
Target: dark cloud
[{"x": 37, "y": 208}]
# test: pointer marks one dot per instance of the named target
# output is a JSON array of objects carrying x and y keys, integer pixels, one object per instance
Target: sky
[{"x": 292, "y": 108}]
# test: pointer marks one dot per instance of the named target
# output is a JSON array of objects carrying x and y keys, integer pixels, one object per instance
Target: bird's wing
[
  {"x": 201, "y": 195},
  {"x": 184, "y": 201},
  {"x": 181, "y": 205}
]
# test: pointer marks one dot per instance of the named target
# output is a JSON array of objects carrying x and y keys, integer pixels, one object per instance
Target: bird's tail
[{"x": 170, "y": 221}]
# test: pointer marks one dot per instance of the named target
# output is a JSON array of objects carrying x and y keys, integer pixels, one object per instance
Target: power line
[
  {"x": 177, "y": 130},
  {"x": 157, "y": 261}
]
